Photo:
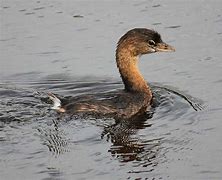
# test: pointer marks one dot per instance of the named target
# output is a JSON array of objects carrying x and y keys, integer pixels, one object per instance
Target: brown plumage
[{"x": 136, "y": 96}]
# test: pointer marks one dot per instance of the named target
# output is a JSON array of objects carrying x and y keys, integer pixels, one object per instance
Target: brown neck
[{"x": 127, "y": 64}]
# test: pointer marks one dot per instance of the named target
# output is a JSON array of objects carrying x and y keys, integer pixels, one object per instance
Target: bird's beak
[{"x": 163, "y": 47}]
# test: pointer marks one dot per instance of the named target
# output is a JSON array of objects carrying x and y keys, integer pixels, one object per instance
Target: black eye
[{"x": 151, "y": 42}]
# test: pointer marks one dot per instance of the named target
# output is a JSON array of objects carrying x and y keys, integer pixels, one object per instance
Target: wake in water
[{"x": 141, "y": 142}]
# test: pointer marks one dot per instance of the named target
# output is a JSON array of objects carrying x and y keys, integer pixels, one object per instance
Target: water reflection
[
  {"x": 126, "y": 142},
  {"x": 127, "y": 145}
]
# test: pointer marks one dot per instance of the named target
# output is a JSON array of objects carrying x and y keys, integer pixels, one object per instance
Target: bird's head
[{"x": 141, "y": 41}]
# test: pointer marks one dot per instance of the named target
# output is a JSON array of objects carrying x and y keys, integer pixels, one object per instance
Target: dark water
[{"x": 68, "y": 48}]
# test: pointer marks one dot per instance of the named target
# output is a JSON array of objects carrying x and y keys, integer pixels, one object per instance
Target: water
[{"x": 68, "y": 48}]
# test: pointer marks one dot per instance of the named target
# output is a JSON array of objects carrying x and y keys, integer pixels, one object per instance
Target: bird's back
[{"x": 119, "y": 104}]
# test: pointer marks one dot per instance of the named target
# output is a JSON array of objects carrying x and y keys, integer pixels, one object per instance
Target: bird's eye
[{"x": 151, "y": 42}]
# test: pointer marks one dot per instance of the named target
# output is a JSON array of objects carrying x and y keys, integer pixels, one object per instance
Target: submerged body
[{"x": 136, "y": 97}]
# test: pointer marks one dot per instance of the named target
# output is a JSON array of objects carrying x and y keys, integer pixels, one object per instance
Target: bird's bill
[{"x": 163, "y": 47}]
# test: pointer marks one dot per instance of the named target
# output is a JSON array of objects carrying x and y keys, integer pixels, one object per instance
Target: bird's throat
[{"x": 131, "y": 76}]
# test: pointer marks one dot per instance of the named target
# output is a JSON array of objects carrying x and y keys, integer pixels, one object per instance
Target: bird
[{"x": 136, "y": 96}]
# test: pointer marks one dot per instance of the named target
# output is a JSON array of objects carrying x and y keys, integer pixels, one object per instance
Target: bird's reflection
[{"x": 127, "y": 145}]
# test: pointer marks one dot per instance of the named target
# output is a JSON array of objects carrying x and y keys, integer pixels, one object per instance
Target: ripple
[
  {"x": 78, "y": 16},
  {"x": 29, "y": 13},
  {"x": 173, "y": 27},
  {"x": 138, "y": 146},
  {"x": 157, "y": 5},
  {"x": 38, "y": 8}
]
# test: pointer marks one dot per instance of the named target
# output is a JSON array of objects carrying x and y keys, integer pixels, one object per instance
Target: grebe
[{"x": 136, "y": 97}]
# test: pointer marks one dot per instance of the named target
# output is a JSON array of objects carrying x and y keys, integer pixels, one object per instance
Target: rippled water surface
[{"x": 68, "y": 47}]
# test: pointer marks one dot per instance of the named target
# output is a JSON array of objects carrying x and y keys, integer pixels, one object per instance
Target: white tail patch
[{"x": 56, "y": 102}]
